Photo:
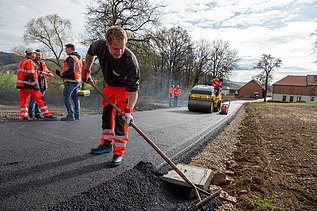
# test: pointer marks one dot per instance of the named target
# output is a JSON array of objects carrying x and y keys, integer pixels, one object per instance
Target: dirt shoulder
[{"x": 272, "y": 151}]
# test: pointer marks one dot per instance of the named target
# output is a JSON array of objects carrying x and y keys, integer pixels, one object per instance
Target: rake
[{"x": 201, "y": 201}]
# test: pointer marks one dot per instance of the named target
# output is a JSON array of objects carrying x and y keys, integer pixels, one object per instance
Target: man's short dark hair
[
  {"x": 71, "y": 46},
  {"x": 38, "y": 50}
]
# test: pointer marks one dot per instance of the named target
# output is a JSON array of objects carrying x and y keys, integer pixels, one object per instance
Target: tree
[
  {"x": 202, "y": 57},
  {"x": 214, "y": 59},
  {"x": 136, "y": 17},
  {"x": 223, "y": 59},
  {"x": 267, "y": 64},
  {"x": 175, "y": 47},
  {"x": 50, "y": 30}
]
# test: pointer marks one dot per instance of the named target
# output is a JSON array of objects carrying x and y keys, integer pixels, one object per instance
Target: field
[{"x": 272, "y": 150}]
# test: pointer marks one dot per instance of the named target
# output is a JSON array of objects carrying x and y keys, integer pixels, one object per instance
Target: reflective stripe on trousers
[
  {"x": 38, "y": 98},
  {"x": 113, "y": 125}
]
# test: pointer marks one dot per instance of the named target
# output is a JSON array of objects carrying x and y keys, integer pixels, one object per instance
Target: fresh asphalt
[{"x": 44, "y": 163}]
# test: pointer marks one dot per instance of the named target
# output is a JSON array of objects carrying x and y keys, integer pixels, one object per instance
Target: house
[
  {"x": 296, "y": 89},
  {"x": 230, "y": 90},
  {"x": 252, "y": 89}
]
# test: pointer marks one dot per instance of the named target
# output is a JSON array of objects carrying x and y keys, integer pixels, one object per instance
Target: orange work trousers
[
  {"x": 38, "y": 98},
  {"x": 114, "y": 127}
]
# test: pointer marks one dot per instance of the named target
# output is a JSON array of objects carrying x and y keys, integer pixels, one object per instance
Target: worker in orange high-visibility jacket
[
  {"x": 27, "y": 82},
  {"x": 121, "y": 73},
  {"x": 43, "y": 73},
  {"x": 171, "y": 95},
  {"x": 71, "y": 74},
  {"x": 217, "y": 84},
  {"x": 177, "y": 93}
]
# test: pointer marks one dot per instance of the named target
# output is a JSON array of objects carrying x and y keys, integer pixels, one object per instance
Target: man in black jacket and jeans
[{"x": 71, "y": 74}]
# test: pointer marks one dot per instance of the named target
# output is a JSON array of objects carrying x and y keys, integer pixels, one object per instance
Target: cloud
[{"x": 281, "y": 28}]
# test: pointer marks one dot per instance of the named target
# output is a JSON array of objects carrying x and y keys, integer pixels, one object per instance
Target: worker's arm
[
  {"x": 88, "y": 61},
  {"x": 86, "y": 76},
  {"x": 132, "y": 98}
]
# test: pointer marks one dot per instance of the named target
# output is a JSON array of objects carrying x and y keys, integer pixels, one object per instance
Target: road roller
[{"x": 204, "y": 98}]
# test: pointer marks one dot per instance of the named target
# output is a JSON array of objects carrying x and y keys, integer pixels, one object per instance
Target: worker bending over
[{"x": 121, "y": 73}]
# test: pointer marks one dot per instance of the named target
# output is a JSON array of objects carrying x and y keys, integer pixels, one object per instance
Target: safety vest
[
  {"x": 216, "y": 82},
  {"x": 171, "y": 92},
  {"x": 177, "y": 92},
  {"x": 76, "y": 75},
  {"x": 43, "y": 72},
  {"x": 27, "y": 76}
]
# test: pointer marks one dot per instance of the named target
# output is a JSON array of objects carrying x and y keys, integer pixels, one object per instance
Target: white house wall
[{"x": 279, "y": 98}]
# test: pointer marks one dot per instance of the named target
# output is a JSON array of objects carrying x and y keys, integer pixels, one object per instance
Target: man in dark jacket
[
  {"x": 121, "y": 73},
  {"x": 71, "y": 74}
]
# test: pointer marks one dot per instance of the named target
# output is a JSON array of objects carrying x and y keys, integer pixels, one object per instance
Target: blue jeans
[
  {"x": 33, "y": 107},
  {"x": 175, "y": 101},
  {"x": 71, "y": 92},
  {"x": 170, "y": 102}
]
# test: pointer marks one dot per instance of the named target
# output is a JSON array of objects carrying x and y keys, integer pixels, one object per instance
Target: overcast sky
[{"x": 281, "y": 28}]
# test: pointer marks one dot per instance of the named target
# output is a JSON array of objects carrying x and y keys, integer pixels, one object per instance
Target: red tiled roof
[
  {"x": 292, "y": 80},
  {"x": 312, "y": 80}
]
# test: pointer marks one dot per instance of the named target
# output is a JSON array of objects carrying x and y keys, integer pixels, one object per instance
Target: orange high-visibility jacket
[
  {"x": 171, "y": 92},
  {"x": 216, "y": 82},
  {"x": 27, "y": 76},
  {"x": 76, "y": 75},
  {"x": 45, "y": 72},
  {"x": 177, "y": 92}
]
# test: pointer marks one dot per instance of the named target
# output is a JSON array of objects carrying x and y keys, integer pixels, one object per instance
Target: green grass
[
  {"x": 7, "y": 87},
  {"x": 283, "y": 104},
  {"x": 264, "y": 203}
]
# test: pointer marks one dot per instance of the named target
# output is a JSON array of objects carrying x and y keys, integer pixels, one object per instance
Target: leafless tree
[
  {"x": 174, "y": 46},
  {"x": 223, "y": 59},
  {"x": 213, "y": 59},
  {"x": 203, "y": 50},
  {"x": 136, "y": 17},
  {"x": 267, "y": 64},
  {"x": 50, "y": 30}
]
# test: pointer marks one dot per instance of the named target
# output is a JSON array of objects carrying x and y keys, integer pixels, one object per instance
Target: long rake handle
[{"x": 158, "y": 150}]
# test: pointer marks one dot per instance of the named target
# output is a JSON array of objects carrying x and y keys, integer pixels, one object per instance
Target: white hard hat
[{"x": 29, "y": 50}]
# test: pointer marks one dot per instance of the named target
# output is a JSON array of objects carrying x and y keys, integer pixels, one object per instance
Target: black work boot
[
  {"x": 116, "y": 160},
  {"x": 68, "y": 118},
  {"x": 105, "y": 148}
]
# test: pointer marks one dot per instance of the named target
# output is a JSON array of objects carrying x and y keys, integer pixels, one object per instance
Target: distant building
[
  {"x": 296, "y": 89},
  {"x": 230, "y": 90},
  {"x": 252, "y": 89}
]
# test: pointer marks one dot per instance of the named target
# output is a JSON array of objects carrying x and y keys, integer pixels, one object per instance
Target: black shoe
[
  {"x": 116, "y": 160},
  {"x": 50, "y": 118},
  {"x": 68, "y": 118},
  {"x": 38, "y": 116},
  {"x": 105, "y": 148},
  {"x": 77, "y": 117}
]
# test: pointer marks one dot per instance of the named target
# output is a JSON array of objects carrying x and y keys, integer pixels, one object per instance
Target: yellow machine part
[{"x": 83, "y": 93}]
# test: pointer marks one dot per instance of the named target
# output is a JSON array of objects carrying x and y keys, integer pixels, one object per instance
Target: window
[
  {"x": 291, "y": 98},
  {"x": 311, "y": 98},
  {"x": 284, "y": 98}
]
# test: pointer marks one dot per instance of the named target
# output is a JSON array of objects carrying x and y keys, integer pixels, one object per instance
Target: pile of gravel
[{"x": 140, "y": 188}]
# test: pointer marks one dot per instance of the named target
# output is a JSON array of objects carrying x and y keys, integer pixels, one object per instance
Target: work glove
[
  {"x": 128, "y": 115},
  {"x": 86, "y": 76}
]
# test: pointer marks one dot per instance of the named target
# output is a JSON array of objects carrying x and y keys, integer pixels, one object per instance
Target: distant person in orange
[
  {"x": 171, "y": 95},
  {"x": 27, "y": 82},
  {"x": 177, "y": 93},
  {"x": 43, "y": 73},
  {"x": 217, "y": 84}
]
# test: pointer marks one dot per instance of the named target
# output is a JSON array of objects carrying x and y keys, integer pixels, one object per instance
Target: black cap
[{"x": 71, "y": 46}]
